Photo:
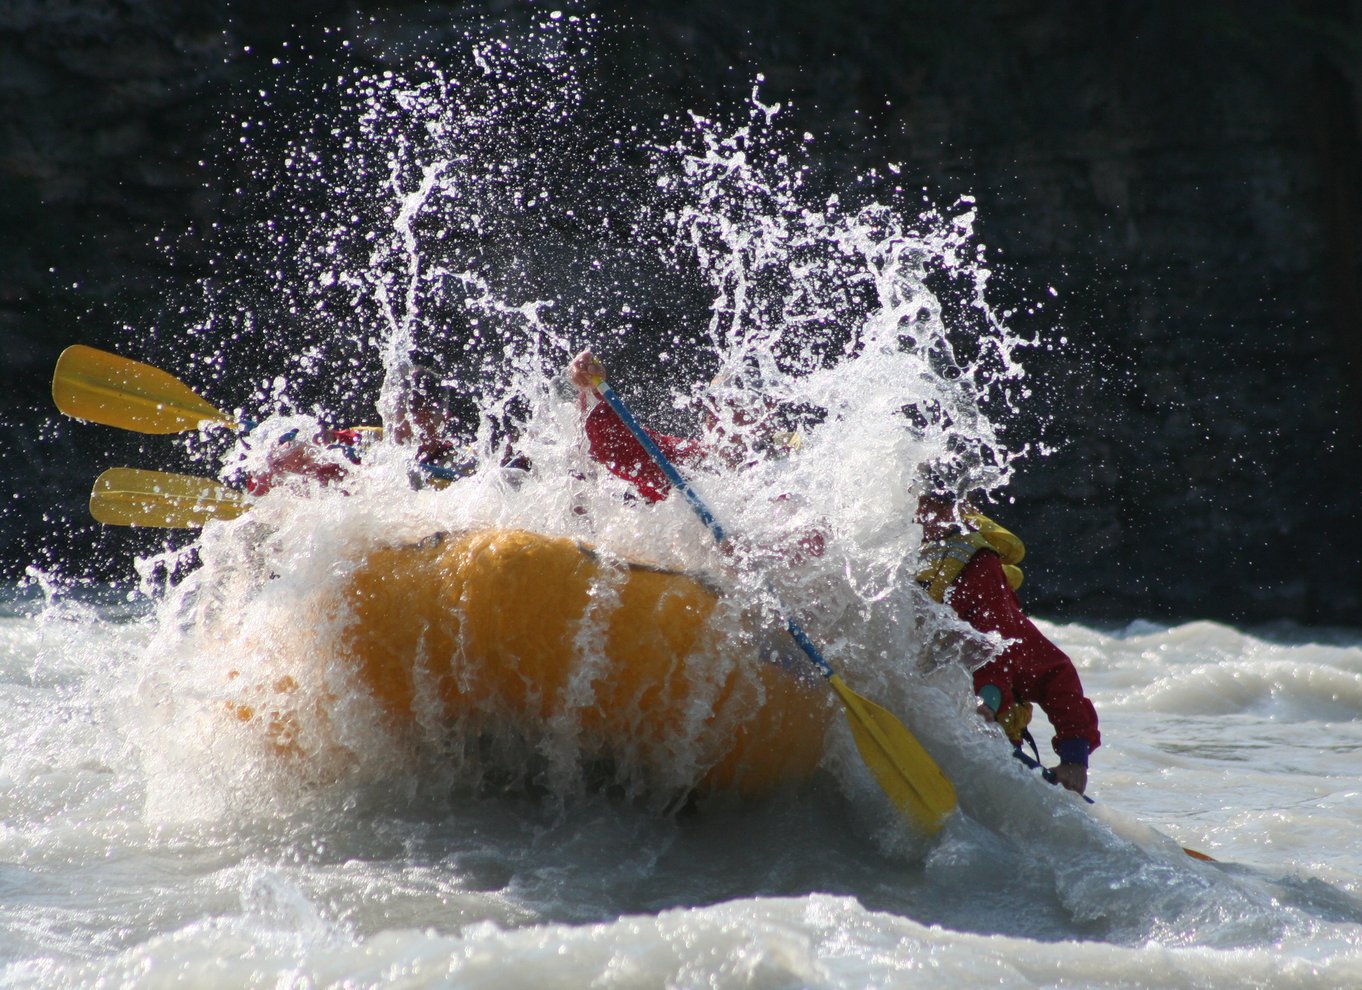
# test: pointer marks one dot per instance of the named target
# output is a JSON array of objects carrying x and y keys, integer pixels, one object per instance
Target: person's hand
[
  {"x": 1073, "y": 776},
  {"x": 585, "y": 371}
]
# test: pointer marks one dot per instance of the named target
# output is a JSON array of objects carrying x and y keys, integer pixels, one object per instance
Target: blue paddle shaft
[
  {"x": 660, "y": 459},
  {"x": 698, "y": 505},
  {"x": 1047, "y": 773}
]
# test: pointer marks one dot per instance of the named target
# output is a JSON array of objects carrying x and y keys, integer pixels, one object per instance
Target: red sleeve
[
  {"x": 614, "y": 446},
  {"x": 1030, "y": 667},
  {"x": 294, "y": 459},
  {"x": 346, "y": 436}
]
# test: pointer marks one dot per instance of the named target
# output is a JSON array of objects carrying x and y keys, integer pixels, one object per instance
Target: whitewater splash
[{"x": 482, "y": 225}]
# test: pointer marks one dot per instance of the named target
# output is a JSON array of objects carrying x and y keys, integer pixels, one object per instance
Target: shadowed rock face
[{"x": 1185, "y": 177}]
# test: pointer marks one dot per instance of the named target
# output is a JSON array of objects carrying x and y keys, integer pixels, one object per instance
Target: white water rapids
[
  {"x": 1241, "y": 746},
  {"x": 147, "y": 839}
]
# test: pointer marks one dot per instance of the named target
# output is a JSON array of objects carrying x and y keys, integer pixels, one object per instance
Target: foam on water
[
  {"x": 360, "y": 878},
  {"x": 153, "y": 833},
  {"x": 1236, "y": 673},
  {"x": 819, "y": 942}
]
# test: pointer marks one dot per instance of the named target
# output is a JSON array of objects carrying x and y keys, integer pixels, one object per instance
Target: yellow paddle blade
[
  {"x": 911, "y": 778},
  {"x": 116, "y": 391},
  {"x": 133, "y": 497}
]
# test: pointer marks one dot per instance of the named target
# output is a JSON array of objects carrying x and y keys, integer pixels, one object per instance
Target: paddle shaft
[
  {"x": 701, "y": 510},
  {"x": 660, "y": 459},
  {"x": 1049, "y": 776},
  {"x": 1046, "y": 773}
]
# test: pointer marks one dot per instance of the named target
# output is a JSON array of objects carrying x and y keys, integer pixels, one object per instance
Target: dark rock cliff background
[{"x": 1186, "y": 176}]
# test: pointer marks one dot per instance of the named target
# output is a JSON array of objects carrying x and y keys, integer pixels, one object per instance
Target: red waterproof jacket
[
  {"x": 1030, "y": 667},
  {"x": 614, "y": 446},
  {"x": 294, "y": 459},
  {"x": 300, "y": 459}
]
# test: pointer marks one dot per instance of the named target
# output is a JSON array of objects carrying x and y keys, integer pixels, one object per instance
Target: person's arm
[
  {"x": 298, "y": 458},
  {"x": 614, "y": 446}
]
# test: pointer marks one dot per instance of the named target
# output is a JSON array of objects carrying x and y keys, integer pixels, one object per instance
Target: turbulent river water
[
  {"x": 134, "y": 857},
  {"x": 166, "y": 819}
]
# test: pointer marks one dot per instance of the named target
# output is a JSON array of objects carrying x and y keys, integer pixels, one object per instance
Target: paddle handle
[{"x": 702, "y": 511}]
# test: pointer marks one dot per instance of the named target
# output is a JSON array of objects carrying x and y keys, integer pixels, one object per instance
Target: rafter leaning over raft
[{"x": 968, "y": 574}]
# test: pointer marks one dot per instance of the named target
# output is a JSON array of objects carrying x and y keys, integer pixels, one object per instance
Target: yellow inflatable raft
[{"x": 514, "y": 631}]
